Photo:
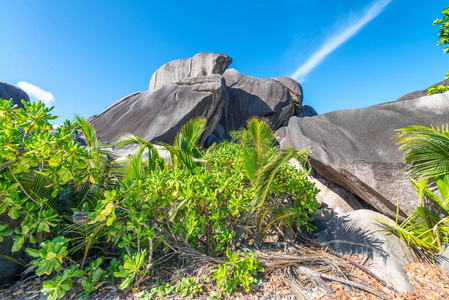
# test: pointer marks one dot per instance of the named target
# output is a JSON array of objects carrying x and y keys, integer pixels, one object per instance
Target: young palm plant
[
  {"x": 427, "y": 153},
  {"x": 185, "y": 152},
  {"x": 154, "y": 159},
  {"x": 262, "y": 162}
]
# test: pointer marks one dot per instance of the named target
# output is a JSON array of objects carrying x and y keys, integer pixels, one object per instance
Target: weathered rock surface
[
  {"x": 8, "y": 91},
  {"x": 422, "y": 93},
  {"x": 202, "y": 64},
  {"x": 334, "y": 197},
  {"x": 307, "y": 111},
  {"x": 353, "y": 148},
  {"x": 250, "y": 97},
  {"x": 295, "y": 90},
  {"x": 357, "y": 232},
  {"x": 158, "y": 115},
  {"x": 281, "y": 134}
]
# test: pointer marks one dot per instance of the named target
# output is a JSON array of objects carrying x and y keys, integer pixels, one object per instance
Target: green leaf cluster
[
  {"x": 444, "y": 29},
  {"x": 437, "y": 89},
  {"x": 237, "y": 271}
]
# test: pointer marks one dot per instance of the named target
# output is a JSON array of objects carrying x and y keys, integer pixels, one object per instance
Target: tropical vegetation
[
  {"x": 443, "y": 35},
  {"x": 84, "y": 215},
  {"x": 427, "y": 156}
]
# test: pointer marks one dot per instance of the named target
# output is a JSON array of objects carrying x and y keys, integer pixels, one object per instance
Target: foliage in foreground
[
  {"x": 137, "y": 211},
  {"x": 444, "y": 40},
  {"x": 427, "y": 154}
]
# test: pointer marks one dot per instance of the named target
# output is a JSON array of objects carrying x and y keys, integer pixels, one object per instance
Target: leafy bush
[
  {"x": 44, "y": 172},
  {"x": 235, "y": 194}
]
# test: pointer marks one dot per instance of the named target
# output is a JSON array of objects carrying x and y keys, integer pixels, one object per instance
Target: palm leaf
[
  {"x": 185, "y": 151},
  {"x": 427, "y": 150},
  {"x": 443, "y": 186},
  {"x": 154, "y": 159},
  {"x": 100, "y": 153},
  {"x": 257, "y": 141},
  {"x": 264, "y": 178},
  {"x": 188, "y": 136},
  {"x": 130, "y": 167}
]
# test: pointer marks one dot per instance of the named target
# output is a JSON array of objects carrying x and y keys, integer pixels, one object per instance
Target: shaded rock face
[
  {"x": 422, "y": 93},
  {"x": 353, "y": 148},
  {"x": 8, "y": 91},
  {"x": 295, "y": 90},
  {"x": 202, "y": 64},
  {"x": 357, "y": 232},
  {"x": 8, "y": 268},
  {"x": 335, "y": 197},
  {"x": 250, "y": 97},
  {"x": 307, "y": 111},
  {"x": 158, "y": 115}
]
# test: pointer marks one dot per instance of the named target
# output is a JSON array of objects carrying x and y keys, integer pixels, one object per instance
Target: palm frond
[
  {"x": 92, "y": 140},
  {"x": 185, "y": 151},
  {"x": 264, "y": 178},
  {"x": 257, "y": 141},
  {"x": 130, "y": 167},
  {"x": 443, "y": 186},
  {"x": 154, "y": 159},
  {"x": 188, "y": 136},
  {"x": 427, "y": 149},
  {"x": 99, "y": 162}
]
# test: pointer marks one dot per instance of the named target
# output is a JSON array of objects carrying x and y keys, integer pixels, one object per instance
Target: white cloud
[
  {"x": 37, "y": 92},
  {"x": 339, "y": 38}
]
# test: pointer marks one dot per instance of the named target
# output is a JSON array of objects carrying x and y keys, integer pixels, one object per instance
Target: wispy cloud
[
  {"x": 339, "y": 38},
  {"x": 37, "y": 92}
]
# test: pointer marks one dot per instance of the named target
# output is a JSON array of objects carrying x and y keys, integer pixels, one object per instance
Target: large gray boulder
[
  {"x": 358, "y": 233},
  {"x": 8, "y": 91},
  {"x": 353, "y": 148},
  {"x": 249, "y": 97},
  {"x": 158, "y": 115},
  {"x": 202, "y": 64}
]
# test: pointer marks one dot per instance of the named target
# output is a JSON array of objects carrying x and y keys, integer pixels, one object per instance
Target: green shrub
[
  {"x": 44, "y": 173},
  {"x": 438, "y": 89},
  {"x": 235, "y": 194},
  {"x": 237, "y": 271}
]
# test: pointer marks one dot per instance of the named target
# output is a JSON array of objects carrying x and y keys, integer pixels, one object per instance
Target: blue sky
[{"x": 82, "y": 56}]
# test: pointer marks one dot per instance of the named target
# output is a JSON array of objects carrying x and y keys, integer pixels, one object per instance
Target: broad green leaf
[
  {"x": 33, "y": 252},
  {"x": 18, "y": 242}
]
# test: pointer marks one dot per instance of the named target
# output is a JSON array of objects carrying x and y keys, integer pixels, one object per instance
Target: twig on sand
[{"x": 357, "y": 285}]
